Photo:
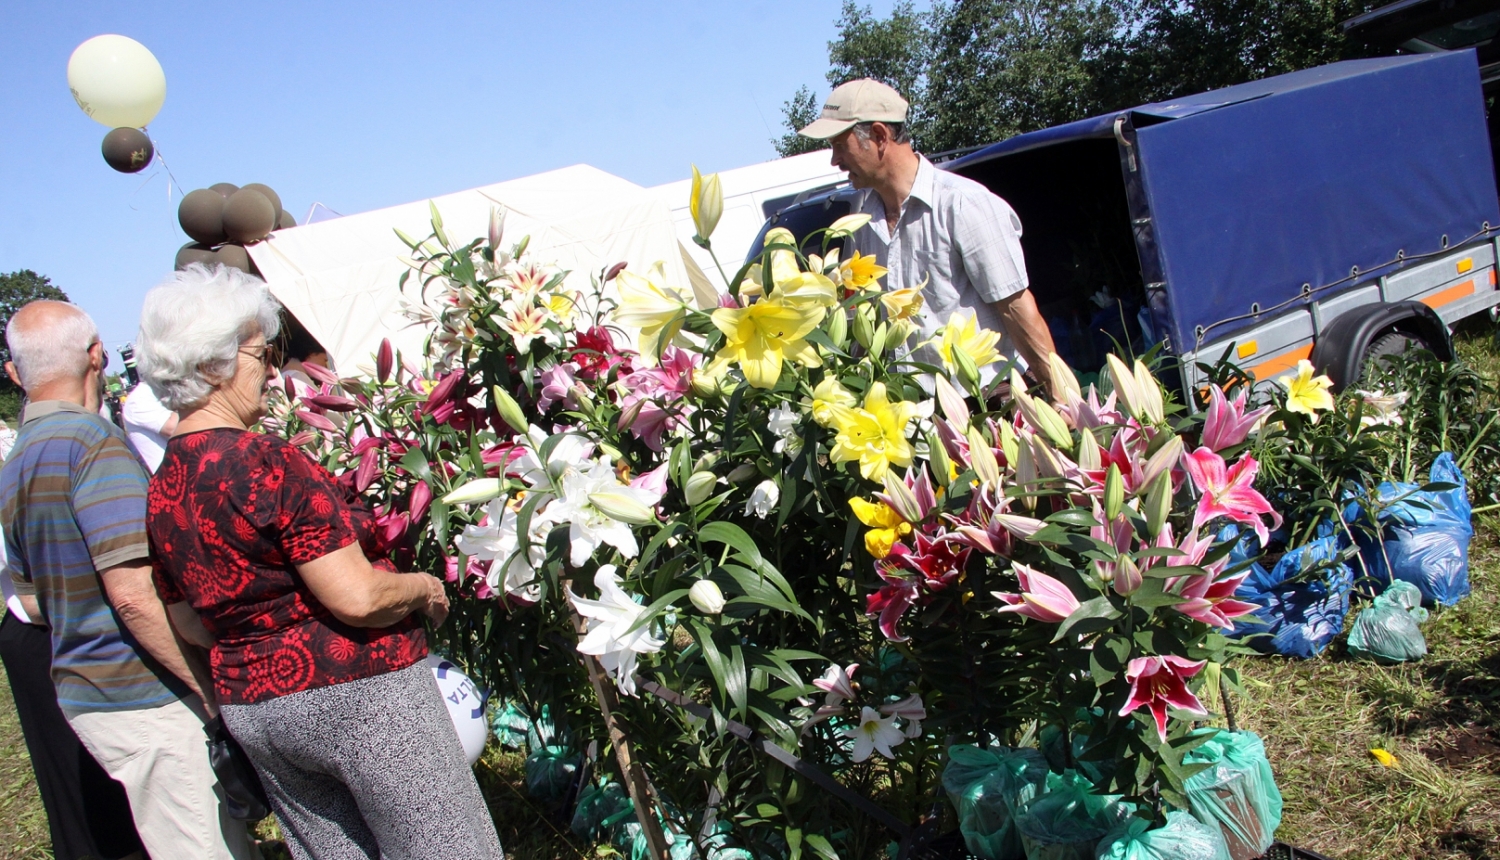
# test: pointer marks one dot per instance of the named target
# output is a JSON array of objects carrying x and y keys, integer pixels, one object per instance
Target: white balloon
[
  {"x": 116, "y": 81},
  {"x": 465, "y": 705}
]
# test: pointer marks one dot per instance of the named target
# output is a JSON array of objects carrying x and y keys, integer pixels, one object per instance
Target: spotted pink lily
[
  {"x": 912, "y": 575},
  {"x": 1227, "y": 422},
  {"x": 1042, "y": 597},
  {"x": 1160, "y": 682},
  {"x": 1227, "y": 492}
]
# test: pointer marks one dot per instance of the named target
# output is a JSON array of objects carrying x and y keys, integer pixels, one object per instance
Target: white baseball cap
[{"x": 864, "y": 100}]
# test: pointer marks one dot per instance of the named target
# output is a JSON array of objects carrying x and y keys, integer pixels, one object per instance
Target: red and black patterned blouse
[{"x": 231, "y": 515}]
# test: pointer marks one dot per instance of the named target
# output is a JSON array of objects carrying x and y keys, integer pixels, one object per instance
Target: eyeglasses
[
  {"x": 103, "y": 353},
  {"x": 266, "y": 356}
]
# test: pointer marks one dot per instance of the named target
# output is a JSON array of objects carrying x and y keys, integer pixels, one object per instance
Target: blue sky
[{"x": 369, "y": 104}]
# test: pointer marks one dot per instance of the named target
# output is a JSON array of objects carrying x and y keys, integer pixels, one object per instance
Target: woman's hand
[{"x": 437, "y": 598}]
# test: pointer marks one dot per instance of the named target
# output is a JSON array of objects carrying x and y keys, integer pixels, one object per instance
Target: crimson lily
[
  {"x": 1228, "y": 423},
  {"x": 1227, "y": 492},
  {"x": 1042, "y": 597},
  {"x": 1159, "y": 682},
  {"x": 936, "y": 562}
]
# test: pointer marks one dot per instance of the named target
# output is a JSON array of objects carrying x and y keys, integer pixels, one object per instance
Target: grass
[{"x": 23, "y": 833}]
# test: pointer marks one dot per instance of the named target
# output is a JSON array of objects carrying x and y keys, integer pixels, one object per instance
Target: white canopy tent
[{"x": 341, "y": 277}]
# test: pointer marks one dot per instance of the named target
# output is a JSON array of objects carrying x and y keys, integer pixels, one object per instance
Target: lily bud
[
  {"x": 954, "y": 407},
  {"x": 743, "y": 472},
  {"x": 706, "y": 205},
  {"x": 878, "y": 339},
  {"x": 940, "y": 462},
  {"x": 385, "y": 359},
  {"x": 510, "y": 410},
  {"x": 1088, "y": 450},
  {"x": 1008, "y": 444},
  {"x": 421, "y": 500},
  {"x": 1114, "y": 492},
  {"x": 497, "y": 227},
  {"x": 1158, "y": 504},
  {"x": 1163, "y": 461},
  {"x": 1127, "y": 576},
  {"x": 699, "y": 486},
  {"x": 1064, "y": 382},
  {"x": 1041, "y": 416},
  {"x": 706, "y": 597},
  {"x": 619, "y": 506},
  {"x": 477, "y": 490},
  {"x": 838, "y": 327},
  {"x": 967, "y": 370},
  {"x": 847, "y": 225},
  {"x": 1126, "y": 388},
  {"x": 982, "y": 458},
  {"x": 864, "y": 325}
]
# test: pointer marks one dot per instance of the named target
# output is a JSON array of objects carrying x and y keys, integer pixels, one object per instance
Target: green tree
[
  {"x": 16, "y": 290},
  {"x": 799, "y": 110}
]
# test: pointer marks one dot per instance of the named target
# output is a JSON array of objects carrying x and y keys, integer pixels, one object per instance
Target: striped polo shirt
[{"x": 73, "y": 503}]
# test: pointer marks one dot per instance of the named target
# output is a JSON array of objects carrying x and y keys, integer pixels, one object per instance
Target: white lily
[
  {"x": 763, "y": 498},
  {"x": 496, "y": 539},
  {"x": 608, "y": 636},
  {"x": 1381, "y": 408},
  {"x": 707, "y": 597},
  {"x": 588, "y": 525},
  {"x": 783, "y": 422},
  {"x": 572, "y": 448},
  {"x": 911, "y": 711},
  {"x": 837, "y": 683},
  {"x": 874, "y": 733}
]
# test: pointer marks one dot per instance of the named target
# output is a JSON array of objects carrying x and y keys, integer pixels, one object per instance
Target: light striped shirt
[
  {"x": 73, "y": 501},
  {"x": 958, "y": 234}
]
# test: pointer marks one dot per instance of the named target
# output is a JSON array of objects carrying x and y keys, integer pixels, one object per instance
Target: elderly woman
[{"x": 316, "y": 654}]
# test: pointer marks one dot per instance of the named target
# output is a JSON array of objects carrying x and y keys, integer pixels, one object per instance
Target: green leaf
[
  {"x": 821, "y": 845},
  {"x": 415, "y": 463},
  {"x": 736, "y": 539},
  {"x": 738, "y": 691},
  {"x": 1096, "y": 609}
]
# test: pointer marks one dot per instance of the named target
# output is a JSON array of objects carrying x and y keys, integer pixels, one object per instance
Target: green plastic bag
[
  {"x": 549, "y": 772},
  {"x": 596, "y": 803},
  {"x": 1237, "y": 794},
  {"x": 987, "y": 788},
  {"x": 511, "y": 725},
  {"x": 1183, "y": 838},
  {"x": 1387, "y": 631},
  {"x": 1067, "y": 821}
]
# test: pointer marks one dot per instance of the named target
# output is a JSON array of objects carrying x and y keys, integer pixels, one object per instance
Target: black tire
[{"x": 1388, "y": 346}]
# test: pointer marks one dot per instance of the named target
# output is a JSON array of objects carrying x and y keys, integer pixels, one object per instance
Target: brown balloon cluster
[{"x": 222, "y": 219}]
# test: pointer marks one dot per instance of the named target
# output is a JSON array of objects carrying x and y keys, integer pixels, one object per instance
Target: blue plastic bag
[
  {"x": 1183, "y": 838},
  {"x": 1236, "y": 794},
  {"x": 1302, "y": 615},
  {"x": 989, "y": 787},
  {"x": 1427, "y": 542}
]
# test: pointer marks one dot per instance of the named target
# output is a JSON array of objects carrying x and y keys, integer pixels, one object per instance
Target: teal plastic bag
[
  {"x": 1183, "y": 838},
  {"x": 987, "y": 788},
  {"x": 1237, "y": 794},
  {"x": 597, "y": 803},
  {"x": 1067, "y": 821},
  {"x": 511, "y": 725},
  {"x": 1386, "y": 631},
  {"x": 549, "y": 772}
]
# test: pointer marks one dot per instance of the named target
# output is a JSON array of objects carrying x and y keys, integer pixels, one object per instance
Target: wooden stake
[{"x": 634, "y": 772}]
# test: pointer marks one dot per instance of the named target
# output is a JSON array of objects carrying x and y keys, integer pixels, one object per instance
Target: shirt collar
[
  {"x": 39, "y": 408},
  {"x": 922, "y": 185}
]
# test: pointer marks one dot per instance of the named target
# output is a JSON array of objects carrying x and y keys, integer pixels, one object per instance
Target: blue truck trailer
[{"x": 1334, "y": 213}]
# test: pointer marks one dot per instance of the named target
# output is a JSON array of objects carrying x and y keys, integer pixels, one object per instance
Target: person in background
[
  {"x": 298, "y": 347},
  {"x": 73, "y": 504},
  {"x": 317, "y": 653},
  {"x": 147, "y": 423},
  {"x": 88, "y": 813},
  {"x": 931, "y": 224}
]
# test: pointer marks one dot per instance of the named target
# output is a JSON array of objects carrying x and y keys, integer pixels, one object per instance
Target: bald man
[{"x": 73, "y": 505}]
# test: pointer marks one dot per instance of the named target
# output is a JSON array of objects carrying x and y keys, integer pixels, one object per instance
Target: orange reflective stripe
[
  {"x": 1285, "y": 361},
  {"x": 1452, "y": 294}
]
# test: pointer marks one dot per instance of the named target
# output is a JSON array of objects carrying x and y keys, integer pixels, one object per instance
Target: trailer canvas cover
[{"x": 1243, "y": 195}]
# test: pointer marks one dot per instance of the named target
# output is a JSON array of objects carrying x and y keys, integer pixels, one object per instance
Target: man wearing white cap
[{"x": 931, "y": 224}]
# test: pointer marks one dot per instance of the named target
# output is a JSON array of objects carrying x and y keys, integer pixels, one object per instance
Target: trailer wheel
[
  {"x": 1388, "y": 346},
  {"x": 1345, "y": 348}
]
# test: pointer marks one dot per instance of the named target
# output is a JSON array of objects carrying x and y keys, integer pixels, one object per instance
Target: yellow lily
[
  {"x": 808, "y": 289},
  {"x": 874, "y": 435},
  {"x": 706, "y": 204},
  {"x": 886, "y": 526},
  {"x": 963, "y": 333},
  {"x": 903, "y": 304},
  {"x": 847, "y": 225},
  {"x": 647, "y": 303},
  {"x": 762, "y": 336},
  {"x": 1306, "y": 393},
  {"x": 860, "y": 272},
  {"x": 828, "y": 394},
  {"x": 783, "y": 262}
]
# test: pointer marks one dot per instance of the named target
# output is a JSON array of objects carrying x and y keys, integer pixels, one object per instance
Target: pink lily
[
  {"x": 837, "y": 683},
  {"x": 557, "y": 386},
  {"x": 1042, "y": 597},
  {"x": 420, "y": 501},
  {"x": 913, "y": 498},
  {"x": 1159, "y": 682},
  {"x": 1212, "y": 601},
  {"x": 911, "y": 711},
  {"x": 653, "y": 402},
  {"x": 654, "y": 481},
  {"x": 384, "y": 360},
  {"x": 1090, "y": 413},
  {"x": 937, "y": 564},
  {"x": 1227, "y": 422},
  {"x": 988, "y": 527},
  {"x": 891, "y": 602},
  {"x": 1228, "y": 492}
]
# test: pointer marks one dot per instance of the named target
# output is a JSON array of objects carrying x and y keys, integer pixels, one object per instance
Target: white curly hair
[{"x": 192, "y": 326}]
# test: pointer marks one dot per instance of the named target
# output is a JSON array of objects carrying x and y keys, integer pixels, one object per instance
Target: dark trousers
[{"x": 88, "y": 812}]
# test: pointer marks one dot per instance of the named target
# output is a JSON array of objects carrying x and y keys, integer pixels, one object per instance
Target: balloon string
[{"x": 172, "y": 180}]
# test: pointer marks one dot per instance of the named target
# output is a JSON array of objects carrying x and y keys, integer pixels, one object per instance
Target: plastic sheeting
[
  {"x": 1387, "y": 631},
  {"x": 1237, "y": 793},
  {"x": 341, "y": 277},
  {"x": 1182, "y": 838},
  {"x": 989, "y": 788},
  {"x": 1301, "y": 611},
  {"x": 1426, "y": 535}
]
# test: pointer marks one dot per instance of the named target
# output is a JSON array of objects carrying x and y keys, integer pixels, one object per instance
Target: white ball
[
  {"x": 465, "y": 705},
  {"x": 117, "y": 81}
]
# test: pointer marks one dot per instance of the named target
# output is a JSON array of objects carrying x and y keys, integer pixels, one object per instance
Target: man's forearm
[
  {"x": 130, "y": 592},
  {"x": 1027, "y": 330}
]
